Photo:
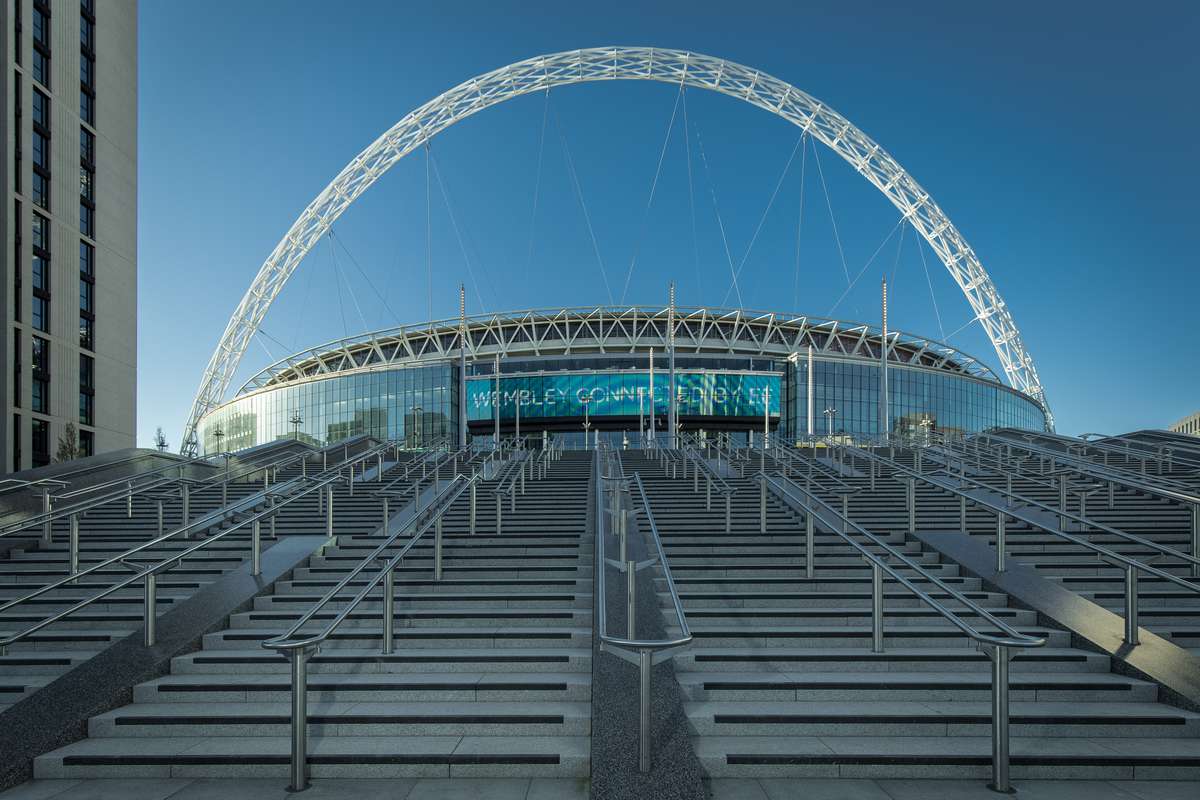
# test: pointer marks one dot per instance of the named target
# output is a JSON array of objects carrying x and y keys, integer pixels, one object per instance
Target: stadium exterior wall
[{"x": 730, "y": 365}]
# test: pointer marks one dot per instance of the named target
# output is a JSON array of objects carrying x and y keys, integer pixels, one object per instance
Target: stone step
[{"x": 329, "y": 757}]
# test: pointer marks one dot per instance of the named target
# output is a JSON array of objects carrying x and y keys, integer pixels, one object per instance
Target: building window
[
  {"x": 41, "y": 234},
  {"x": 87, "y": 147},
  {"x": 17, "y": 261},
  {"x": 87, "y": 332},
  {"x": 16, "y": 371},
  {"x": 87, "y": 71},
  {"x": 40, "y": 388},
  {"x": 17, "y": 127},
  {"x": 86, "y": 290},
  {"x": 41, "y": 273},
  {"x": 87, "y": 219},
  {"x": 16, "y": 57},
  {"x": 87, "y": 260},
  {"x": 87, "y": 107},
  {"x": 41, "y": 151},
  {"x": 40, "y": 442},
  {"x": 41, "y": 189},
  {"x": 86, "y": 184},
  {"x": 86, "y": 404},
  {"x": 41, "y": 109},
  {"x": 41, "y": 314},
  {"x": 87, "y": 444},
  {"x": 41, "y": 43},
  {"x": 16, "y": 428}
]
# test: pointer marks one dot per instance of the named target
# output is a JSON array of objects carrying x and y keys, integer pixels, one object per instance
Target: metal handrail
[
  {"x": 782, "y": 452},
  {"x": 149, "y": 574},
  {"x": 640, "y": 651},
  {"x": 991, "y": 461},
  {"x": 16, "y": 484},
  {"x": 1177, "y": 492},
  {"x": 1131, "y": 565},
  {"x": 299, "y": 650},
  {"x": 1001, "y": 646}
]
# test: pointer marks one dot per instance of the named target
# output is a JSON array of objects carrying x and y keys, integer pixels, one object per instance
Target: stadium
[{"x": 562, "y": 369}]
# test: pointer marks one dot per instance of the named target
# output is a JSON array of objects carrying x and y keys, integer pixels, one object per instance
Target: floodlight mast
[{"x": 676, "y": 67}]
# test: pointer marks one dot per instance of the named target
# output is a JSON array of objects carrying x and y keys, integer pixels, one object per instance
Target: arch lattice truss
[{"x": 605, "y": 64}]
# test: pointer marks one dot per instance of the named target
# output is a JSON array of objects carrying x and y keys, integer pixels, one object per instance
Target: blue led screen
[{"x": 619, "y": 394}]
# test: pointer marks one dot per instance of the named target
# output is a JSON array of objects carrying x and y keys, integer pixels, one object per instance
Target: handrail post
[
  {"x": 74, "y": 544},
  {"x": 472, "y": 516},
  {"x": 962, "y": 513},
  {"x": 47, "y": 525},
  {"x": 762, "y": 504},
  {"x": 631, "y": 598},
  {"x": 150, "y": 610},
  {"x": 809, "y": 544},
  {"x": 437, "y": 549},
  {"x": 1195, "y": 539},
  {"x": 129, "y": 500},
  {"x": 876, "y": 608},
  {"x": 389, "y": 611},
  {"x": 845, "y": 512},
  {"x": 274, "y": 535},
  {"x": 911, "y": 492},
  {"x": 499, "y": 512},
  {"x": 186, "y": 491},
  {"x": 1062, "y": 501},
  {"x": 386, "y": 515},
  {"x": 256, "y": 547},
  {"x": 160, "y": 516},
  {"x": 1131, "y": 604},
  {"x": 1000, "y": 781},
  {"x": 644, "y": 663},
  {"x": 379, "y": 467},
  {"x": 1000, "y": 546},
  {"x": 351, "y": 481},
  {"x": 329, "y": 510},
  {"x": 299, "y": 720},
  {"x": 728, "y": 513},
  {"x": 708, "y": 494}
]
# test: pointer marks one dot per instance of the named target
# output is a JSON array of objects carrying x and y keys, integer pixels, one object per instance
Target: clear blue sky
[{"x": 1059, "y": 137}]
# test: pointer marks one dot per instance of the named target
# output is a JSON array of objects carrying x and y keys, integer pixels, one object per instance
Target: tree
[
  {"x": 160, "y": 440},
  {"x": 68, "y": 444}
]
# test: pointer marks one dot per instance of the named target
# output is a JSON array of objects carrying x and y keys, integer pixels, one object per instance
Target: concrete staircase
[
  {"x": 781, "y": 681},
  {"x": 491, "y": 674},
  {"x": 112, "y": 529}
]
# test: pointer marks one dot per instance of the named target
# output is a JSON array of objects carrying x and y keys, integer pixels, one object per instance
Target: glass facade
[
  {"x": 716, "y": 394},
  {"x": 418, "y": 405},
  {"x": 918, "y": 398},
  {"x": 413, "y": 405}
]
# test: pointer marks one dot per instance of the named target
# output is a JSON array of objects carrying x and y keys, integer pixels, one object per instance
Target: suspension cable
[
  {"x": 582, "y": 204},
  {"x": 799, "y": 225},
  {"x": 832, "y": 221},
  {"x": 687, "y": 139},
  {"x": 362, "y": 272},
  {"x": 717, "y": 210},
  {"x": 637, "y": 246},
  {"x": 338, "y": 285},
  {"x": 763, "y": 219},
  {"x": 929, "y": 283},
  {"x": 870, "y": 260},
  {"x": 437, "y": 174},
  {"x": 537, "y": 185},
  {"x": 428, "y": 236},
  {"x": 349, "y": 289}
]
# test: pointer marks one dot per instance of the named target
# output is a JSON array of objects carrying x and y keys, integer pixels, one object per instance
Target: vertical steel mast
[
  {"x": 884, "y": 411},
  {"x": 671, "y": 411},
  {"x": 462, "y": 366}
]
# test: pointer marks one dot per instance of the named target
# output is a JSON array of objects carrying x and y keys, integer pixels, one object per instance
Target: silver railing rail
[
  {"x": 300, "y": 647},
  {"x": 1000, "y": 645},
  {"x": 149, "y": 575},
  {"x": 712, "y": 480},
  {"x": 1131, "y": 566},
  {"x": 611, "y": 517}
]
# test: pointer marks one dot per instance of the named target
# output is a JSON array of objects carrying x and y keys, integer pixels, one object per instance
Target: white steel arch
[{"x": 604, "y": 64}]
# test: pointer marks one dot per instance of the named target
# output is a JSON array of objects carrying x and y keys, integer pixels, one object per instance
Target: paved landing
[
  {"x": 274, "y": 789},
  {"x": 842, "y": 789}
]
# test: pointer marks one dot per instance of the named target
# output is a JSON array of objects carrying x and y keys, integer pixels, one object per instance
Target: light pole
[
  {"x": 296, "y": 421},
  {"x": 218, "y": 434},
  {"x": 641, "y": 423},
  {"x": 517, "y": 428},
  {"x": 927, "y": 424},
  {"x": 587, "y": 425},
  {"x": 830, "y": 413}
]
